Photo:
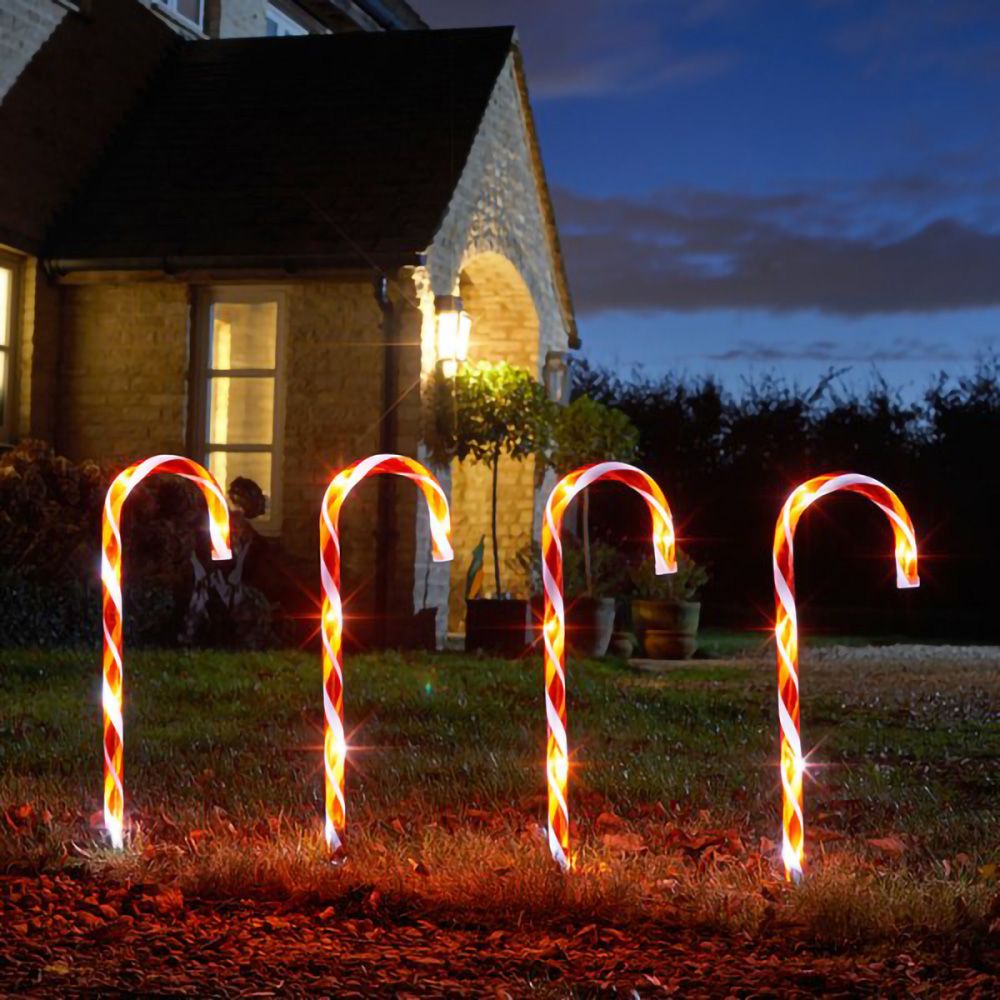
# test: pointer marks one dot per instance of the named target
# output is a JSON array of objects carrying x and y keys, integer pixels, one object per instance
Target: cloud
[
  {"x": 593, "y": 47},
  {"x": 830, "y": 249},
  {"x": 834, "y": 352}
]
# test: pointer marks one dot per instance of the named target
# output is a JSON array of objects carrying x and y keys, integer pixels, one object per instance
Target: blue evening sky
[{"x": 746, "y": 186}]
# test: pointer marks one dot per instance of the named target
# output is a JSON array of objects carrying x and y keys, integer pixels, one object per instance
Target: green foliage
[
  {"x": 684, "y": 585},
  {"x": 609, "y": 569},
  {"x": 500, "y": 410},
  {"x": 587, "y": 431}
]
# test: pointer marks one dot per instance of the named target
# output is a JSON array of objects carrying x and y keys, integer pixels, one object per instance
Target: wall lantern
[
  {"x": 555, "y": 375},
  {"x": 453, "y": 328}
]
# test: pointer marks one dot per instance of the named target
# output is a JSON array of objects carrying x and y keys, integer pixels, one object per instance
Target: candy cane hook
[
  {"x": 332, "y": 623},
  {"x": 554, "y": 624},
  {"x": 786, "y": 632},
  {"x": 111, "y": 589}
]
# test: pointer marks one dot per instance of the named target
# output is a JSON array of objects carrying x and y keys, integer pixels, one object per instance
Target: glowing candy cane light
[
  {"x": 332, "y": 623},
  {"x": 111, "y": 588},
  {"x": 554, "y": 625},
  {"x": 786, "y": 632}
]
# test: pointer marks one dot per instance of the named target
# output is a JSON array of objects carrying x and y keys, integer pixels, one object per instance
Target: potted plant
[
  {"x": 586, "y": 432},
  {"x": 665, "y": 609},
  {"x": 500, "y": 410},
  {"x": 587, "y": 633}
]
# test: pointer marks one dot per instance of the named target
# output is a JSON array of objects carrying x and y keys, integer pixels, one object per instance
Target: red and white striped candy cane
[
  {"x": 332, "y": 624},
  {"x": 554, "y": 624},
  {"x": 111, "y": 588},
  {"x": 786, "y": 632}
]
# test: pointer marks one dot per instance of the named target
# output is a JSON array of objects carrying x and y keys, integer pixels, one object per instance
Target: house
[{"x": 226, "y": 228}]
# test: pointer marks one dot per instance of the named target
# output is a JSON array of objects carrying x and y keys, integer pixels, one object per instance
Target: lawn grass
[{"x": 674, "y": 789}]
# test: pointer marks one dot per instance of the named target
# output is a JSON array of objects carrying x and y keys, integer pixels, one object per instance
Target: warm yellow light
[{"x": 453, "y": 329}]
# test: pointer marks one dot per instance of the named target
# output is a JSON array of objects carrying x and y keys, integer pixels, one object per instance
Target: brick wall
[{"x": 123, "y": 370}]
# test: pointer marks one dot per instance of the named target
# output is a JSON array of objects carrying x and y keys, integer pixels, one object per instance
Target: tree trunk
[
  {"x": 586, "y": 543},
  {"x": 496, "y": 552}
]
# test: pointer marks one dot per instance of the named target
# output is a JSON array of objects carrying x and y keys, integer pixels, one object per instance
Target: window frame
[
  {"x": 203, "y": 373},
  {"x": 10, "y": 350},
  {"x": 274, "y": 13},
  {"x": 170, "y": 8}
]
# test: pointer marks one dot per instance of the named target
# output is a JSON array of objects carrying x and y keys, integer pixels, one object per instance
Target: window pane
[
  {"x": 244, "y": 335},
  {"x": 191, "y": 9},
  {"x": 3, "y": 387},
  {"x": 6, "y": 281},
  {"x": 228, "y": 465},
  {"x": 241, "y": 410}
]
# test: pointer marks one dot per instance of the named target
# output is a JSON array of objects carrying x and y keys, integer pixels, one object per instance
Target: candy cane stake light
[
  {"x": 332, "y": 622},
  {"x": 554, "y": 622},
  {"x": 786, "y": 632},
  {"x": 111, "y": 589}
]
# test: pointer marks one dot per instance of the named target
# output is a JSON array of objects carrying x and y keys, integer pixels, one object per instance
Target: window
[
  {"x": 239, "y": 412},
  {"x": 8, "y": 315},
  {"x": 280, "y": 25},
  {"x": 190, "y": 12}
]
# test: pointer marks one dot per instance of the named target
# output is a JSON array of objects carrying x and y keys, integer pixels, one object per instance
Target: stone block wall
[
  {"x": 123, "y": 370},
  {"x": 24, "y": 26}
]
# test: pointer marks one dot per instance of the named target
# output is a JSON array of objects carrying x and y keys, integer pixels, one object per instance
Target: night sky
[{"x": 746, "y": 186}]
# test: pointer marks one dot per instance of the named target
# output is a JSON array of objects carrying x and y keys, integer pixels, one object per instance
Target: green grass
[{"x": 446, "y": 793}]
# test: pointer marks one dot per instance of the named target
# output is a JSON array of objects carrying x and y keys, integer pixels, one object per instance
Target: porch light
[
  {"x": 555, "y": 375},
  {"x": 453, "y": 328}
]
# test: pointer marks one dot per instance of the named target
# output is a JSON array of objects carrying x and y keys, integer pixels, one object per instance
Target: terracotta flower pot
[{"x": 667, "y": 629}]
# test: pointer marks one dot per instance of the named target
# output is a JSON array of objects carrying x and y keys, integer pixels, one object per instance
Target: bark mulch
[{"x": 60, "y": 936}]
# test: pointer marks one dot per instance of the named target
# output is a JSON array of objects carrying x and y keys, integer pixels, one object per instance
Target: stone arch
[{"x": 505, "y": 327}]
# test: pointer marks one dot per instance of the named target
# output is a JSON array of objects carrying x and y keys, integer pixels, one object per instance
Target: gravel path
[{"x": 903, "y": 653}]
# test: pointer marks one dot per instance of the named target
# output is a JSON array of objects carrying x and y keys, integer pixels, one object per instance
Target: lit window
[
  {"x": 240, "y": 405},
  {"x": 280, "y": 25},
  {"x": 8, "y": 288},
  {"x": 191, "y": 12}
]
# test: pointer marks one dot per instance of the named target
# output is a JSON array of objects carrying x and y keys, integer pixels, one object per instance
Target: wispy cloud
[
  {"x": 880, "y": 246},
  {"x": 593, "y": 47},
  {"x": 835, "y": 352}
]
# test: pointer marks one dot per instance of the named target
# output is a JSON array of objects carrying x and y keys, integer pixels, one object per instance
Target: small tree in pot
[
  {"x": 586, "y": 432},
  {"x": 500, "y": 410},
  {"x": 665, "y": 609}
]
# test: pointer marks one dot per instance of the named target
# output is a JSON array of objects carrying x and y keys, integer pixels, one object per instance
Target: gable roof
[{"x": 336, "y": 149}]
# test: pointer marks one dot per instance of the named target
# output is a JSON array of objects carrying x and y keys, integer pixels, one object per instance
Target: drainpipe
[{"x": 385, "y": 532}]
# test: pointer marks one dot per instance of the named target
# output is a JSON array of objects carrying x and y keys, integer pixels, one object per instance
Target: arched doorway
[{"x": 504, "y": 328}]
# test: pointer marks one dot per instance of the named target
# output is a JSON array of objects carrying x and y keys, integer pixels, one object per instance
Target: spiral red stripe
[
  {"x": 792, "y": 762},
  {"x": 332, "y": 620},
  {"x": 111, "y": 592},
  {"x": 554, "y": 623}
]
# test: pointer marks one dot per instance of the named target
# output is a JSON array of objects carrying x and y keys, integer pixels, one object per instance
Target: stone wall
[
  {"x": 123, "y": 370},
  {"x": 24, "y": 26}
]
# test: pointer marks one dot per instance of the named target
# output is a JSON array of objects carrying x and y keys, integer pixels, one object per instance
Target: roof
[{"x": 327, "y": 148}]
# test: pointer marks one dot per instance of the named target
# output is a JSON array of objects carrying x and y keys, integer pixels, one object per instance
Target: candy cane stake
[
  {"x": 554, "y": 623},
  {"x": 111, "y": 589},
  {"x": 786, "y": 632},
  {"x": 332, "y": 624}
]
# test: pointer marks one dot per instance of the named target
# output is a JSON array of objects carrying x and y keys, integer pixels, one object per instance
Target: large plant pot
[
  {"x": 667, "y": 629},
  {"x": 497, "y": 626},
  {"x": 589, "y": 624}
]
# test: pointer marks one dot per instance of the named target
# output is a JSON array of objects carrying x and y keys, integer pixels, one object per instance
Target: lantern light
[
  {"x": 786, "y": 633},
  {"x": 555, "y": 376},
  {"x": 454, "y": 326},
  {"x": 111, "y": 589},
  {"x": 554, "y": 626},
  {"x": 332, "y": 617}
]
